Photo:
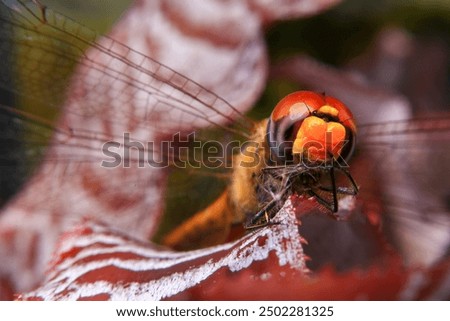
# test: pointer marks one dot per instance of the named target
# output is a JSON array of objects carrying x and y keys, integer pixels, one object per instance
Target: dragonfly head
[{"x": 310, "y": 128}]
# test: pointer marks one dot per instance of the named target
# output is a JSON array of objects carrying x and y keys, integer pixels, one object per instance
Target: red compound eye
[{"x": 314, "y": 126}]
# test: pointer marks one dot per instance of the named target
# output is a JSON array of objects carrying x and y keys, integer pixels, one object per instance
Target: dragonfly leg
[
  {"x": 329, "y": 205},
  {"x": 262, "y": 218}
]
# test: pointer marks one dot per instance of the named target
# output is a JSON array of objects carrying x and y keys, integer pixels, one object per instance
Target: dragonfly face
[
  {"x": 311, "y": 127},
  {"x": 304, "y": 146},
  {"x": 307, "y": 136}
]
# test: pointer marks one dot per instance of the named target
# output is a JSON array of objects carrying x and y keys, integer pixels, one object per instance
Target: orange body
[{"x": 212, "y": 225}]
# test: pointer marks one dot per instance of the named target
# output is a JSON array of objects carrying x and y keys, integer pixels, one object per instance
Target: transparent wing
[
  {"x": 43, "y": 39},
  {"x": 105, "y": 88},
  {"x": 407, "y": 174}
]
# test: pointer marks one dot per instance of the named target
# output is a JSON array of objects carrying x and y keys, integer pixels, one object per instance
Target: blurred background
[{"x": 397, "y": 47}]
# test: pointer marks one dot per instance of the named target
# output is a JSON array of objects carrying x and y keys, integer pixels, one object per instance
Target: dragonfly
[{"x": 118, "y": 107}]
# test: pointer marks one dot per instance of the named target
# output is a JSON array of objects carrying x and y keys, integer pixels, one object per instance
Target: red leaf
[{"x": 97, "y": 261}]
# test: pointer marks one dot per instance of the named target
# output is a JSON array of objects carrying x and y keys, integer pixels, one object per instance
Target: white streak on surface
[{"x": 63, "y": 282}]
